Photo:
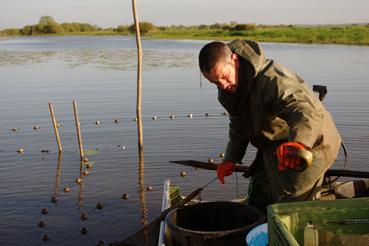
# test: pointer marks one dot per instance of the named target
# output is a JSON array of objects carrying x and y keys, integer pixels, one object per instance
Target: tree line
[
  {"x": 47, "y": 25},
  {"x": 353, "y": 34}
]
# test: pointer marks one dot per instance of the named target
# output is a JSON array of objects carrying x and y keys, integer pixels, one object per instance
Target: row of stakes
[{"x": 99, "y": 205}]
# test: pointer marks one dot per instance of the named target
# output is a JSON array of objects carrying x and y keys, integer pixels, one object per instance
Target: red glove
[
  {"x": 288, "y": 155},
  {"x": 224, "y": 169}
]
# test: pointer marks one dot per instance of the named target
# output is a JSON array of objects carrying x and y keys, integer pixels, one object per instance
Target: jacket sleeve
[
  {"x": 237, "y": 142},
  {"x": 301, "y": 109}
]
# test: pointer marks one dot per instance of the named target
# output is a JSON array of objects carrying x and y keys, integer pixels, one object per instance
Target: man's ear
[
  {"x": 236, "y": 59},
  {"x": 234, "y": 56}
]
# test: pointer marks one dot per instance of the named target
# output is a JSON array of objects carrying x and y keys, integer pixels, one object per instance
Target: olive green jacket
[{"x": 273, "y": 104}]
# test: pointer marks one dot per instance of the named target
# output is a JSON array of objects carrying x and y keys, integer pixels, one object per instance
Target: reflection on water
[
  {"x": 99, "y": 72},
  {"x": 54, "y": 197}
]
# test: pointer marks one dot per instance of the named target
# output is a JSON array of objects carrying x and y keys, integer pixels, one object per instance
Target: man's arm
[
  {"x": 237, "y": 143},
  {"x": 300, "y": 108}
]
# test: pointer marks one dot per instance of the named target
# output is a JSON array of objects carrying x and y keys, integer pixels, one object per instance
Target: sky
[{"x": 111, "y": 13}]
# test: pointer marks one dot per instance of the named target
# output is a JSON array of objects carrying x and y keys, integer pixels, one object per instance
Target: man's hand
[
  {"x": 224, "y": 169},
  {"x": 293, "y": 155}
]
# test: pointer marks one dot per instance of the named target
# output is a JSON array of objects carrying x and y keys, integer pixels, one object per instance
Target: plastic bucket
[
  {"x": 212, "y": 223},
  {"x": 258, "y": 236}
]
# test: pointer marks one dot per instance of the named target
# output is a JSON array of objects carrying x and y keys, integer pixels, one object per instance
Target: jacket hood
[{"x": 251, "y": 52}]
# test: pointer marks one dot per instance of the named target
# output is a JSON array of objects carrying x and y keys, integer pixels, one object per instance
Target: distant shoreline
[{"x": 354, "y": 34}]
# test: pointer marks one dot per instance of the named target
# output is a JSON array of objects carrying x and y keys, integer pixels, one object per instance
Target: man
[{"x": 273, "y": 109}]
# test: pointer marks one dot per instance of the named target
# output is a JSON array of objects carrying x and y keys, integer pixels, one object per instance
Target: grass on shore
[
  {"x": 337, "y": 34},
  {"x": 349, "y": 35}
]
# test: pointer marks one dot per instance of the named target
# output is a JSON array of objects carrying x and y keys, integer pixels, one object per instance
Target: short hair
[{"x": 211, "y": 54}]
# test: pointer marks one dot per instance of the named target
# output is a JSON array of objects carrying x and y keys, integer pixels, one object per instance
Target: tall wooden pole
[
  {"x": 144, "y": 219},
  {"x": 56, "y": 130},
  {"x": 139, "y": 81},
  {"x": 78, "y": 127}
]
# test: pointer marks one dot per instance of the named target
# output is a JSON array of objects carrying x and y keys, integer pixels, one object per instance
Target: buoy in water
[
  {"x": 210, "y": 160},
  {"x": 149, "y": 188},
  {"x": 84, "y": 159},
  {"x": 99, "y": 205},
  {"x": 98, "y": 122},
  {"x": 155, "y": 118},
  {"x": 83, "y": 216},
  {"x": 100, "y": 243},
  {"x": 221, "y": 155},
  {"x": 15, "y": 129},
  {"x": 20, "y": 150},
  {"x": 67, "y": 189},
  {"x": 190, "y": 116},
  {"x": 54, "y": 199},
  {"x": 78, "y": 180},
  {"x": 41, "y": 224},
  {"x": 36, "y": 127},
  {"x": 84, "y": 230},
  {"x": 45, "y": 237},
  {"x": 116, "y": 121},
  {"x": 183, "y": 174},
  {"x": 125, "y": 196},
  {"x": 44, "y": 211},
  {"x": 85, "y": 173},
  {"x": 45, "y": 151},
  {"x": 172, "y": 116}
]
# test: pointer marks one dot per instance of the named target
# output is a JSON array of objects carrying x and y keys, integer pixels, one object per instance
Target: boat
[{"x": 287, "y": 222}]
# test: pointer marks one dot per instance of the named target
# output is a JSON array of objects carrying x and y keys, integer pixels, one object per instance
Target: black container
[{"x": 212, "y": 223}]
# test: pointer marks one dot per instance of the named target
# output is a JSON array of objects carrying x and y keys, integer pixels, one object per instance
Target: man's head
[{"x": 220, "y": 65}]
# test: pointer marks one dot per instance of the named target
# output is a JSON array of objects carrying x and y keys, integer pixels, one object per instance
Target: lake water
[{"x": 99, "y": 72}]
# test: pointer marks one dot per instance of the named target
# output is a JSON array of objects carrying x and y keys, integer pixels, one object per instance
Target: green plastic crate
[{"x": 287, "y": 221}]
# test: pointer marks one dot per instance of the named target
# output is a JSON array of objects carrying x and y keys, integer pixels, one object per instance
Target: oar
[
  {"x": 148, "y": 235},
  {"x": 240, "y": 168}
]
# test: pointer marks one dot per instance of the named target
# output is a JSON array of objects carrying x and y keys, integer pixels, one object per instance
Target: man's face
[{"x": 225, "y": 74}]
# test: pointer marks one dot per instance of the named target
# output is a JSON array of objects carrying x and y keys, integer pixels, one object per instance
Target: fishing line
[
  {"x": 203, "y": 187},
  {"x": 238, "y": 194}
]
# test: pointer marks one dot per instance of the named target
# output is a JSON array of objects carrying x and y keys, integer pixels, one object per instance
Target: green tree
[
  {"x": 145, "y": 27},
  {"x": 48, "y": 25},
  {"x": 45, "y": 20},
  {"x": 26, "y": 30},
  {"x": 53, "y": 28},
  {"x": 68, "y": 27},
  {"x": 244, "y": 27},
  {"x": 11, "y": 31},
  {"x": 122, "y": 29}
]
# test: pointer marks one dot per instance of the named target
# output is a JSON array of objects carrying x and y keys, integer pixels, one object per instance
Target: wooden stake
[
  {"x": 139, "y": 81},
  {"x": 56, "y": 130},
  {"x": 139, "y": 119},
  {"x": 78, "y": 127}
]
